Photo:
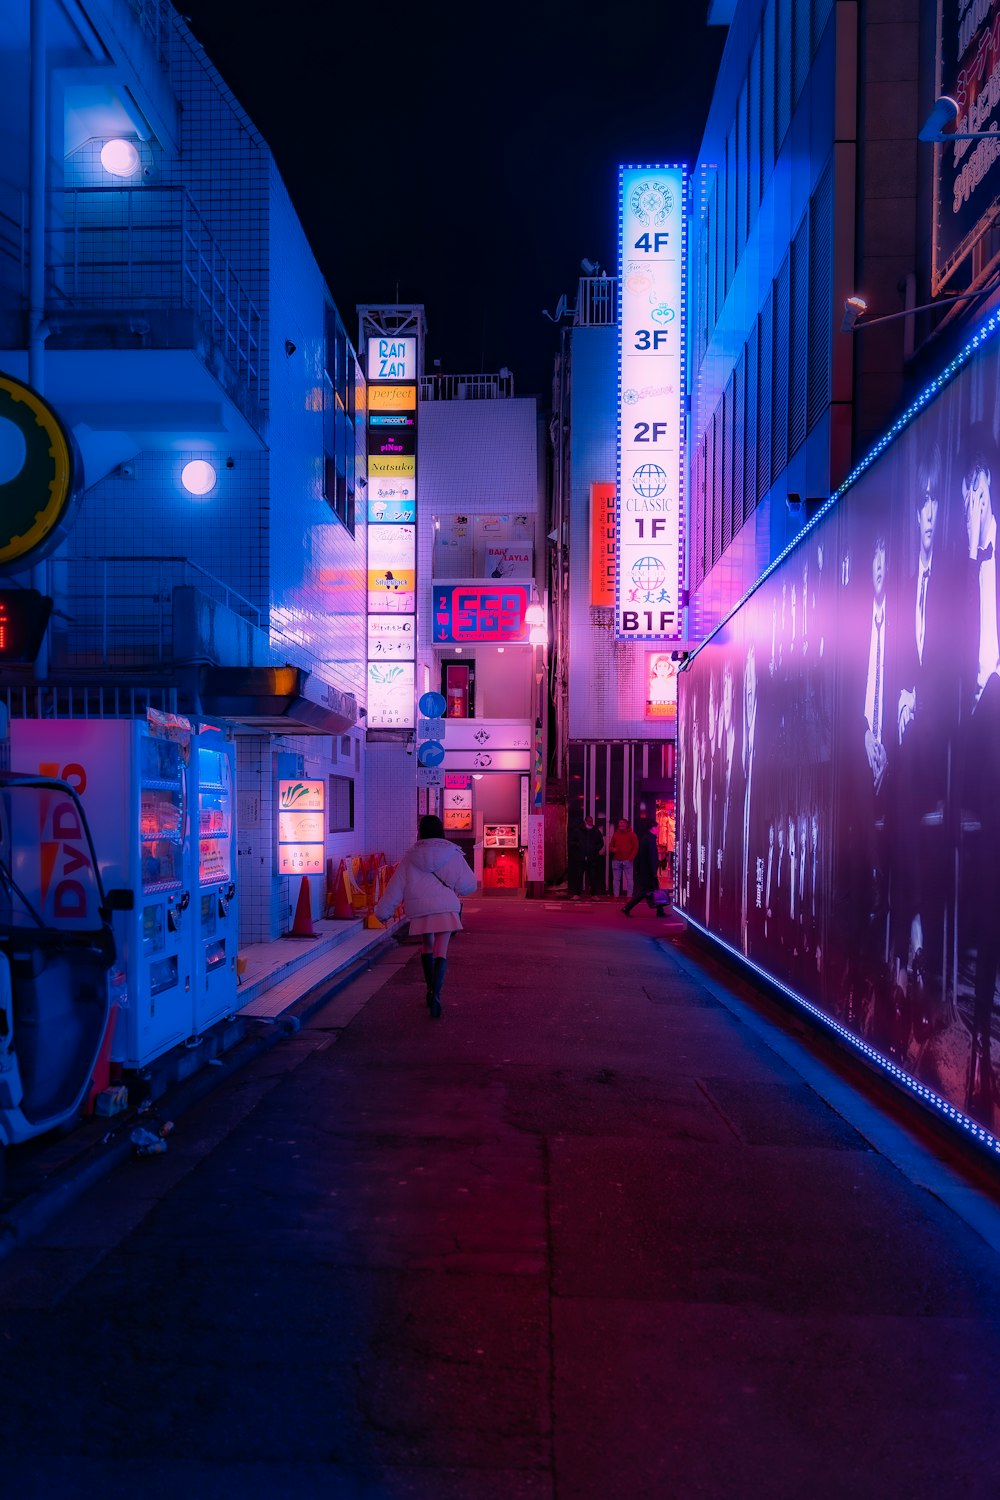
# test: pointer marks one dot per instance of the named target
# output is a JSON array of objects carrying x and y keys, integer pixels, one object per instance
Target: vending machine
[
  {"x": 216, "y": 929},
  {"x": 134, "y": 783}
]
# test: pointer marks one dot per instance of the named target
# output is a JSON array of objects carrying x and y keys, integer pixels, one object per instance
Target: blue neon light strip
[{"x": 954, "y": 1116}]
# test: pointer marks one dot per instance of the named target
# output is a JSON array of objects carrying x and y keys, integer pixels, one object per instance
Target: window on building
[
  {"x": 339, "y": 444},
  {"x": 341, "y": 804}
]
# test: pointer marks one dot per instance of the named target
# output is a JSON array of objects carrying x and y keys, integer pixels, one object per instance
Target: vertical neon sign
[{"x": 649, "y": 571}]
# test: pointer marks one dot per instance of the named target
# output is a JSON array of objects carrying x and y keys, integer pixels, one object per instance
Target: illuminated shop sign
[
  {"x": 392, "y": 546},
  {"x": 392, "y": 398},
  {"x": 392, "y": 359},
  {"x": 389, "y": 466},
  {"x": 42, "y": 476},
  {"x": 392, "y": 500},
  {"x": 480, "y": 612},
  {"x": 390, "y": 442},
  {"x": 661, "y": 686},
  {"x": 390, "y": 695},
  {"x": 301, "y": 827},
  {"x": 392, "y": 590},
  {"x": 391, "y": 419},
  {"x": 24, "y": 614},
  {"x": 508, "y": 562},
  {"x": 603, "y": 527},
  {"x": 650, "y": 540},
  {"x": 392, "y": 636},
  {"x": 967, "y": 174}
]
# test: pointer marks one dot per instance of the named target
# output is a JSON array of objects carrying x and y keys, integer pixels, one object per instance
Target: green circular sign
[{"x": 39, "y": 476}]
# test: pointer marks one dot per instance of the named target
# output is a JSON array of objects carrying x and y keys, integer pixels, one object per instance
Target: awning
[{"x": 277, "y": 700}]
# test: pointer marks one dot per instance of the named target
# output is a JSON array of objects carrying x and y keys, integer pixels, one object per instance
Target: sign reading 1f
[{"x": 650, "y": 500}]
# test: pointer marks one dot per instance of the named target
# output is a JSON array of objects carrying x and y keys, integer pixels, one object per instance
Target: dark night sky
[{"x": 465, "y": 157}]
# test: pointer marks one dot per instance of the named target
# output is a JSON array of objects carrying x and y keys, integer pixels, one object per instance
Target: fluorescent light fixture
[
  {"x": 198, "y": 477},
  {"x": 120, "y": 158}
]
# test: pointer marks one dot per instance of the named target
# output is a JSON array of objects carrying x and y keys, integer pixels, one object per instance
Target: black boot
[
  {"x": 440, "y": 965},
  {"x": 427, "y": 964}
]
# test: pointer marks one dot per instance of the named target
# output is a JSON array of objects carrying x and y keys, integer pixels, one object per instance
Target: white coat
[{"x": 430, "y": 878}]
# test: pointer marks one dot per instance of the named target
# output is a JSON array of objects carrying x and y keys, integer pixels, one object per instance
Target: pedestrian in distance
[
  {"x": 576, "y": 854},
  {"x": 623, "y": 850},
  {"x": 429, "y": 881},
  {"x": 647, "y": 869},
  {"x": 594, "y": 861}
]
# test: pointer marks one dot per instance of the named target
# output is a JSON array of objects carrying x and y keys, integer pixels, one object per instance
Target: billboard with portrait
[{"x": 839, "y": 755}]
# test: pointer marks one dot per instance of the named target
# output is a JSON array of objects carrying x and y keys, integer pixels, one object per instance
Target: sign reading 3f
[{"x": 650, "y": 500}]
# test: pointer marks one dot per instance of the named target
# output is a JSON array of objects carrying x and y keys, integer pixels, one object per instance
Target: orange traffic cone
[
  {"x": 302, "y": 927},
  {"x": 340, "y": 902}
]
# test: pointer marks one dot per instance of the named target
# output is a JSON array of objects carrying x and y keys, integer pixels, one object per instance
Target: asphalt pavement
[{"x": 615, "y": 1226}]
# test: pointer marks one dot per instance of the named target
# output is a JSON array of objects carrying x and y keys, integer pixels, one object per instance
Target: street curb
[{"x": 27, "y": 1218}]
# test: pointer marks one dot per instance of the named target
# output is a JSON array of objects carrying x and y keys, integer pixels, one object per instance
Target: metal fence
[
  {"x": 467, "y": 387},
  {"x": 136, "y": 248}
]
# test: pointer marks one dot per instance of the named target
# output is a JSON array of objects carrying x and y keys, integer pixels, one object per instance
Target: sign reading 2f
[{"x": 649, "y": 551}]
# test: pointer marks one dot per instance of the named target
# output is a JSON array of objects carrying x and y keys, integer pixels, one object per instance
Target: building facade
[{"x": 158, "y": 291}]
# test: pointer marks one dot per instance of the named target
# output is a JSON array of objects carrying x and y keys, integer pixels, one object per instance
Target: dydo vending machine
[{"x": 162, "y": 826}]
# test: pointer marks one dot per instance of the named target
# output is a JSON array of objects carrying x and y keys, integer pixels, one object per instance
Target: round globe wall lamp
[
  {"x": 120, "y": 158},
  {"x": 198, "y": 477}
]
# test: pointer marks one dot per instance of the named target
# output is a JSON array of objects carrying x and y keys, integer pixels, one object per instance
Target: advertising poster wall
[{"x": 839, "y": 756}]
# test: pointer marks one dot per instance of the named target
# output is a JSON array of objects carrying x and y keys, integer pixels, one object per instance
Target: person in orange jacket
[{"x": 623, "y": 850}]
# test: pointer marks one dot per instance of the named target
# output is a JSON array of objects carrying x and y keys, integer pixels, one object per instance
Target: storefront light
[
  {"x": 538, "y": 635},
  {"x": 534, "y": 615},
  {"x": 120, "y": 158},
  {"x": 198, "y": 477}
]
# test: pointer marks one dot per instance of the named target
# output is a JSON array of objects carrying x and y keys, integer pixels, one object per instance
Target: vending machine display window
[
  {"x": 215, "y": 817},
  {"x": 163, "y": 976},
  {"x": 161, "y": 814},
  {"x": 215, "y": 955},
  {"x": 208, "y": 906}
]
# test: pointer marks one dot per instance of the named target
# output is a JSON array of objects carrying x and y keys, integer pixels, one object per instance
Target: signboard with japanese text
[
  {"x": 392, "y": 636},
  {"x": 392, "y": 500},
  {"x": 480, "y": 612},
  {"x": 967, "y": 174},
  {"x": 649, "y": 541},
  {"x": 603, "y": 527}
]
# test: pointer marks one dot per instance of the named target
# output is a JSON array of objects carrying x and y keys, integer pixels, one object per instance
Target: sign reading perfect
[{"x": 650, "y": 541}]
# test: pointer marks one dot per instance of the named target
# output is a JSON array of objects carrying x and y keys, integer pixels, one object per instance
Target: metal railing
[
  {"x": 467, "y": 387},
  {"x": 136, "y": 248},
  {"x": 153, "y": 20},
  {"x": 119, "y": 610},
  {"x": 596, "y": 302},
  {"x": 86, "y": 701}
]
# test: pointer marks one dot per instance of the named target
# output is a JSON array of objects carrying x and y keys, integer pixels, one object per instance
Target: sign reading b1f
[{"x": 650, "y": 503}]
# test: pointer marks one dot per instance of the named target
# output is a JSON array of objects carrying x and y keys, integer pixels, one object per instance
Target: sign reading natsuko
[{"x": 650, "y": 539}]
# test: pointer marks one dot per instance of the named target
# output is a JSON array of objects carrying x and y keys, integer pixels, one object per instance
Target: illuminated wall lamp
[
  {"x": 855, "y": 308},
  {"x": 120, "y": 158},
  {"x": 946, "y": 112},
  {"x": 198, "y": 477},
  {"x": 534, "y": 614},
  {"x": 538, "y": 635}
]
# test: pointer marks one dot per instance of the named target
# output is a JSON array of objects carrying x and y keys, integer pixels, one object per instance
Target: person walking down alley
[
  {"x": 623, "y": 850},
  {"x": 576, "y": 855},
  {"x": 429, "y": 882},
  {"x": 647, "y": 870},
  {"x": 594, "y": 867}
]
